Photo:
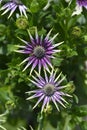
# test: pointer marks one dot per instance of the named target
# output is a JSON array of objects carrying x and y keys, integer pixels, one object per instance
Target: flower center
[
  {"x": 39, "y": 52},
  {"x": 49, "y": 89}
]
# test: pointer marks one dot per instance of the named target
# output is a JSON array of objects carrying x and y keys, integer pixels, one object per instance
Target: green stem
[
  {"x": 67, "y": 119},
  {"x": 40, "y": 126}
]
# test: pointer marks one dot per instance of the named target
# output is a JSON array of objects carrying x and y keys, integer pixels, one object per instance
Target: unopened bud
[
  {"x": 10, "y": 105},
  {"x": 48, "y": 109},
  {"x": 76, "y": 32},
  {"x": 70, "y": 87},
  {"x": 22, "y": 22}
]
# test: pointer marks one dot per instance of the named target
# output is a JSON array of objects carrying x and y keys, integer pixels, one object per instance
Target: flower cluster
[{"x": 40, "y": 51}]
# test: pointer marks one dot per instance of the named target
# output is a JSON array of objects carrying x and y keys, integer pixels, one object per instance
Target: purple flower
[
  {"x": 39, "y": 50},
  {"x": 79, "y": 5},
  {"x": 12, "y": 5},
  {"x": 82, "y": 3},
  {"x": 49, "y": 89}
]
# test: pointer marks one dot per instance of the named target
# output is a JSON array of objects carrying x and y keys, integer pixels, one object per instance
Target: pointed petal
[
  {"x": 34, "y": 65},
  {"x": 45, "y": 65},
  {"x": 40, "y": 77},
  {"x": 35, "y": 83},
  {"x": 50, "y": 56},
  {"x": 23, "y": 40},
  {"x": 58, "y": 44},
  {"x": 33, "y": 91},
  {"x": 5, "y": 11},
  {"x": 57, "y": 77},
  {"x": 40, "y": 99},
  {"x": 12, "y": 11},
  {"x": 48, "y": 62},
  {"x": 60, "y": 98},
  {"x": 52, "y": 39},
  {"x": 55, "y": 103},
  {"x": 59, "y": 101},
  {"x": 22, "y": 10},
  {"x": 47, "y": 37},
  {"x": 4, "y": 6},
  {"x": 46, "y": 100},
  {"x": 31, "y": 38},
  {"x": 34, "y": 96},
  {"x": 55, "y": 51},
  {"x": 29, "y": 63},
  {"x": 61, "y": 87},
  {"x": 39, "y": 66},
  {"x": 38, "y": 80},
  {"x": 46, "y": 77},
  {"x": 24, "y": 61},
  {"x": 23, "y": 51},
  {"x": 60, "y": 81},
  {"x": 64, "y": 100},
  {"x": 37, "y": 37},
  {"x": 41, "y": 39}
]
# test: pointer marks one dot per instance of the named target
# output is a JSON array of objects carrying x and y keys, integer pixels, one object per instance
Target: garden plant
[{"x": 43, "y": 64}]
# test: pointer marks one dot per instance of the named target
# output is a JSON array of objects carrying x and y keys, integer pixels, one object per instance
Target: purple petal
[
  {"x": 35, "y": 95},
  {"x": 59, "y": 82},
  {"x": 58, "y": 100},
  {"x": 54, "y": 101},
  {"x": 12, "y": 11},
  {"x": 37, "y": 37},
  {"x": 22, "y": 10},
  {"x": 40, "y": 77},
  {"x": 34, "y": 65},
  {"x": 38, "y": 81},
  {"x": 47, "y": 37},
  {"x": 48, "y": 62},
  {"x": 46, "y": 77},
  {"x": 40, "y": 99},
  {"x": 46, "y": 101},
  {"x": 44, "y": 65},
  {"x": 39, "y": 66},
  {"x": 31, "y": 60},
  {"x": 35, "y": 83}
]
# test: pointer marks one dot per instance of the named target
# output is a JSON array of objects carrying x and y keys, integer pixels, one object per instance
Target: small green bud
[
  {"x": 76, "y": 32},
  {"x": 22, "y": 22},
  {"x": 48, "y": 109},
  {"x": 70, "y": 87},
  {"x": 10, "y": 105}
]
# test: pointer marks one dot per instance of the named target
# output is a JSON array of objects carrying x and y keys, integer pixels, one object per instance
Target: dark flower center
[
  {"x": 39, "y": 52},
  {"x": 49, "y": 89}
]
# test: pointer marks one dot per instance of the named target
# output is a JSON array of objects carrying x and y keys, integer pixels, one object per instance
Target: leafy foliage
[{"x": 72, "y": 61}]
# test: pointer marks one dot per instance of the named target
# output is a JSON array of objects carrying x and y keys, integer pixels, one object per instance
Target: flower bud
[
  {"x": 70, "y": 87},
  {"x": 48, "y": 109},
  {"x": 10, "y": 105},
  {"x": 22, "y": 22},
  {"x": 76, "y": 32}
]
